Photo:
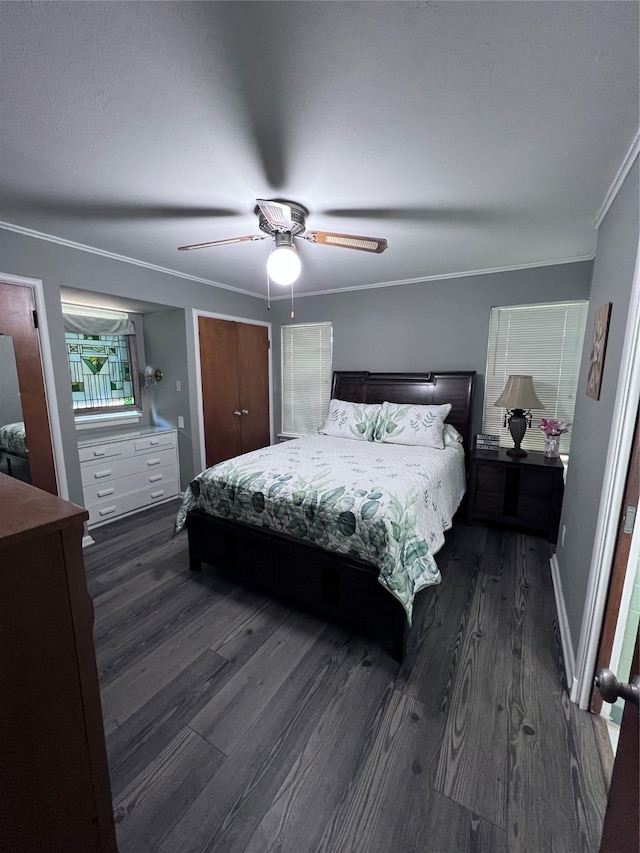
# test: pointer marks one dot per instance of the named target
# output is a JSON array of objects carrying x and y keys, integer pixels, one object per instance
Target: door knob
[
  {"x": 611, "y": 689},
  {"x": 245, "y": 411},
  {"x": 237, "y": 413}
]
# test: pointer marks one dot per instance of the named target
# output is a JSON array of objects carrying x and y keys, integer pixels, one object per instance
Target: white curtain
[{"x": 96, "y": 321}]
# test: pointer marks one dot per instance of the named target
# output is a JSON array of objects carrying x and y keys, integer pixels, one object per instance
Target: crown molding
[
  {"x": 70, "y": 244},
  {"x": 38, "y": 235},
  {"x": 443, "y": 277},
  {"x": 621, "y": 174}
]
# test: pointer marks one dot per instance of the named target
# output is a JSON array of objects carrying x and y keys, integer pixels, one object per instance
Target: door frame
[
  {"x": 196, "y": 313},
  {"x": 615, "y": 475},
  {"x": 51, "y": 397},
  {"x": 625, "y": 558}
]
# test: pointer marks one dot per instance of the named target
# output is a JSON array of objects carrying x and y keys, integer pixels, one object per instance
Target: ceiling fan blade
[
  {"x": 347, "y": 241},
  {"x": 437, "y": 213},
  {"x": 278, "y": 215},
  {"x": 75, "y": 207},
  {"x": 223, "y": 242}
]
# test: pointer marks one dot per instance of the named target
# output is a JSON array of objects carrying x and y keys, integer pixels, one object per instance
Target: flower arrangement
[{"x": 553, "y": 426}]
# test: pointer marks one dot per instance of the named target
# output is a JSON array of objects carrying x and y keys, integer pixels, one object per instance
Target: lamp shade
[{"x": 519, "y": 394}]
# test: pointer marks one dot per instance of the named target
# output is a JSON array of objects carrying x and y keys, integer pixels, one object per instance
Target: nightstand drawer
[
  {"x": 490, "y": 483},
  {"x": 525, "y": 492},
  {"x": 535, "y": 482}
]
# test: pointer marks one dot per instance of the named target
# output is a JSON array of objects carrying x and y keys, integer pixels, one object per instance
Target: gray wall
[
  {"x": 166, "y": 347},
  {"x": 612, "y": 282},
  {"x": 60, "y": 266},
  {"x": 438, "y": 325},
  {"x": 141, "y": 355}
]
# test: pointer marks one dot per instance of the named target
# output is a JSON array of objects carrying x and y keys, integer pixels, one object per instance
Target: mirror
[{"x": 14, "y": 456}]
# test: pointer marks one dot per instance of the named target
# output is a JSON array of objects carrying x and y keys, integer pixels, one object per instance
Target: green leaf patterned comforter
[
  {"x": 387, "y": 504},
  {"x": 13, "y": 438}
]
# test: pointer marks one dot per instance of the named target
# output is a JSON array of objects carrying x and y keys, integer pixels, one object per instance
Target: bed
[
  {"x": 364, "y": 555},
  {"x": 14, "y": 455}
]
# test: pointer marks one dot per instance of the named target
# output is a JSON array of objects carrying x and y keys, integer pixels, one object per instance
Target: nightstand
[{"x": 525, "y": 492}]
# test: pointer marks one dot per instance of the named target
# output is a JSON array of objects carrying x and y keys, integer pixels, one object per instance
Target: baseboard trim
[
  {"x": 563, "y": 622},
  {"x": 88, "y": 540}
]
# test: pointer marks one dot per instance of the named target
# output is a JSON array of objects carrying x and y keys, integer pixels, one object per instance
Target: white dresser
[{"x": 127, "y": 470}]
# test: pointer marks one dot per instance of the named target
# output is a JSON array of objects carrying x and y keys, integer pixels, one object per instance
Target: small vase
[{"x": 552, "y": 446}]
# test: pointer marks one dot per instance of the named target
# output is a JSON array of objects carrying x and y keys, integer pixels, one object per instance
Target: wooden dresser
[
  {"x": 127, "y": 470},
  {"x": 54, "y": 783}
]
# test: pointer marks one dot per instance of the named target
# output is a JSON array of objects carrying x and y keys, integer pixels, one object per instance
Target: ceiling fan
[{"x": 285, "y": 221}]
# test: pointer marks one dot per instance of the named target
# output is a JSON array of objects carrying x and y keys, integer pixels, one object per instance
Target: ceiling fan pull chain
[
  {"x": 268, "y": 292},
  {"x": 293, "y": 313}
]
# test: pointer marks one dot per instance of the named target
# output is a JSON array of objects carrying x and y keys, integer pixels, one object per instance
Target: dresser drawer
[
  {"x": 110, "y": 507},
  {"x": 151, "y": 442},
  {"x": 113, "y": 468},
  {"x": 110, "y": 489},
  {"x": 105, "y": 451}
]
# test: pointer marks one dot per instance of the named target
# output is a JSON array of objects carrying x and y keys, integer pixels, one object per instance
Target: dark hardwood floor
[{"x": 235, "y": 723}]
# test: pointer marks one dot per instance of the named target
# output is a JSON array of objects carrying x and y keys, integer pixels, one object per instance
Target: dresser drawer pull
[
  {"x": 155, "y": 478},
  {"x": 99, "y": 452},
  {"x": 98, "y": 475},
  {"x": 107, "y": 510},
  {"x": 151, "y": 462},
  {"x": 157, "y": 494},
  {"x": 104, "y": 492},
  {"x": 154, "y": 441}
]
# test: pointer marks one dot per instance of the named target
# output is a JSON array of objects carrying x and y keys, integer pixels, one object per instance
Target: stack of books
[{"x": 487, "y": 442}]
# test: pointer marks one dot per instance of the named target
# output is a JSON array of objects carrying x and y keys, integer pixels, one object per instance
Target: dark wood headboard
[{"x": 419, "y": 389}]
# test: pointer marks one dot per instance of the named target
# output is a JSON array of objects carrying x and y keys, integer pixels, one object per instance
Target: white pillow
[
  {"x": 451, "y": 436},
  {"x": 351, "y": 420},
  {"x": 418, "y": 425}
]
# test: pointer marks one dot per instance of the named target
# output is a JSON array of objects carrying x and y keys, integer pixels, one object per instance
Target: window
[
  {"x": 102, "y": 361},
  {"x": 544, "y": 341},
  {"x": 306, "y": 376}
]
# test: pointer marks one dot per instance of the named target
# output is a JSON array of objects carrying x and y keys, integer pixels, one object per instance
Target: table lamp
[{"x": 518, "y": 398}]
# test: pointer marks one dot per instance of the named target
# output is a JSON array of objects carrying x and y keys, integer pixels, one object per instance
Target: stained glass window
[{"x": 101, "y": 372}]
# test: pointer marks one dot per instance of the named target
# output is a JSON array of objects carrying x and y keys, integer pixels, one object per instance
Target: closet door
[
  {"x": 253, "y": 385},
  {"x": 220, "y": 396},
  {"x": 234, "y": 361},
  {"x": 17, "y": 322}
]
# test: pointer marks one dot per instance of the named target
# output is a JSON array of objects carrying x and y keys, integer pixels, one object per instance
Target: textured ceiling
[{"x": 472, "y": 135}]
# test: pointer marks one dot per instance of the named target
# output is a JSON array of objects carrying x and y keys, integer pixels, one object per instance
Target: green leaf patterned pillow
[
  {"x": 351, "y": 420},
  {"x": 417, "y": 425}
]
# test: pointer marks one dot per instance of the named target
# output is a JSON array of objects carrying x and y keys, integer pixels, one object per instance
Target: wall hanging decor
[{"x": 598, "y": 349}]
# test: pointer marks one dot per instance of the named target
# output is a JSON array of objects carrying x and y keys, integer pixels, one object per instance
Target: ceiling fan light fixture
[{"x": 284, "y": 265}]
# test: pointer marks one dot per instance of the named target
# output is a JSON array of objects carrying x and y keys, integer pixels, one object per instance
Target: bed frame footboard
[{"x": 332, "y": 585}]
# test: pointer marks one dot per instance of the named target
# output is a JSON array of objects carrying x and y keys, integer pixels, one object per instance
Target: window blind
[
  {"x": 544, "y": 341},
  {"x": 307, "y": 350}
]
